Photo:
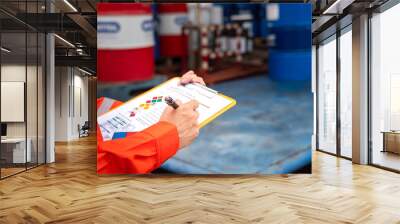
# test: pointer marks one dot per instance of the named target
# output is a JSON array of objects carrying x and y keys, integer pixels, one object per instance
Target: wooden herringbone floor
[{"x": 69, "y": 191}]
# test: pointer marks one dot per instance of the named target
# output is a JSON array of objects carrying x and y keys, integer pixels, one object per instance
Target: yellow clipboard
[
  {"x": 202, "y": 124},
  {"x": 223, "y": 110}
]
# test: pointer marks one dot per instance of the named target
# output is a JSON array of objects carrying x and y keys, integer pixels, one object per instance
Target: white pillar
[
  {"x": 50, "y": 93},
  {"x": 50, "y": 106},
  {"x": 360, "y": 90}
]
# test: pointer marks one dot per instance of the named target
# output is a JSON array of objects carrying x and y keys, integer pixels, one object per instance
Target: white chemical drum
[
  {"x": 125, "y": 42},
  {"x": 172, "y": 17}
]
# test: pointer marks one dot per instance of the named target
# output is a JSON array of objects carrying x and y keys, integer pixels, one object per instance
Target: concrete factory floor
[{"x": 268, "y": 131}]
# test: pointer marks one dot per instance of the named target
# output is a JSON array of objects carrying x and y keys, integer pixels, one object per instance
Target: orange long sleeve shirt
[{"x": 139, "y": 152}]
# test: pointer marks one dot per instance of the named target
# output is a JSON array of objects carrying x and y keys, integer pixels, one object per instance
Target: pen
[{"x": 171, "y": 102}]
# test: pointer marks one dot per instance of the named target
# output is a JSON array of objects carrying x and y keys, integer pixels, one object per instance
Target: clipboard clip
[{"x": 205, "y": 88}]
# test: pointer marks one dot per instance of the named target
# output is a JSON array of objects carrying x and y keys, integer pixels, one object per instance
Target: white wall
[
  {"x": 80, "y": 89},
  {"x": 16, "y": 72},
  {"x": 33, "y": 127},
  {"x": 61, "y": 103},
  {"x": 71, "y": 93}
]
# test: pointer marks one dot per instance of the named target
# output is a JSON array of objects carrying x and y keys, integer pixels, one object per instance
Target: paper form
[{"x": 145, "y": 110}]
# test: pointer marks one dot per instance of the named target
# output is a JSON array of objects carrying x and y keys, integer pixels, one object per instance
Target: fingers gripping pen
[{"x": 171, "y": 102}]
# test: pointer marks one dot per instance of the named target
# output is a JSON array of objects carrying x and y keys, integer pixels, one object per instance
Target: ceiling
[
  {"x": 72, "y": 20},
  {"x": 334, "y": 15}
]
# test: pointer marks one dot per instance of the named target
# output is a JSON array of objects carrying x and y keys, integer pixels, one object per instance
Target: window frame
[
  {"x": 333, "y": 37},
  {"x": 378, "y": 10},
  {"x": 336, "y": 29},
  {"x": 26, "y": 30}
]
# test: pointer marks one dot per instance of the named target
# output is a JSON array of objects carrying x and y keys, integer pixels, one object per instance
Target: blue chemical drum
[
  {"x": 290, "y": 65},
  {"x": 290, "y": 27}
]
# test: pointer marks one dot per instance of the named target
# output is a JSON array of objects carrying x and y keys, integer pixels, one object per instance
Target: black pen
[{"x": 171, "y": 102}]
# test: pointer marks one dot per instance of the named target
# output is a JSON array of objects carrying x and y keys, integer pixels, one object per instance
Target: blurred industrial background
[{"x": 259, "y": 54}]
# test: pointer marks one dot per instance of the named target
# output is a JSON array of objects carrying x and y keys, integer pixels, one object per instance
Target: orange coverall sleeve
[{"x": 139, "y": 152}]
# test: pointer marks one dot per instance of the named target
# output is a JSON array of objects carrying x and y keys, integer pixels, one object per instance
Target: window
[
  {"x": 385, "y": 89},
  {"x": 346, "y": 92},
  {"x": 22, "y": 91},
  {"x": 14, "y": 151},
  {"x": 327, "y": 95}
]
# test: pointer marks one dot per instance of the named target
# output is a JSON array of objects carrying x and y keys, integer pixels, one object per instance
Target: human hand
[
  {"x": 185, "y": 119},
  {"x": 191, "y": 77}
]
